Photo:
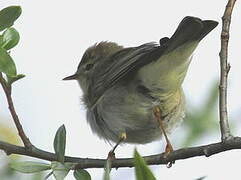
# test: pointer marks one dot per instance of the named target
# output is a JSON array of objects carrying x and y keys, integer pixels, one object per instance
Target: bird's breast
[{"x": 130, "y": 110}]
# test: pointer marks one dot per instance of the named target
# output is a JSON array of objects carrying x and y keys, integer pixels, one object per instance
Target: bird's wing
[
  {"x": 117, "y": 67},
  {"x": 123, "y": 63}
]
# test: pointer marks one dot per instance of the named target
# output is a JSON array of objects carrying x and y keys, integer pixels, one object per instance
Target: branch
[
  {"x": 83, "y": 163},
  {"x": 228, "y": 142},
  {"x": 225, "y": 67},
  {"x": 8, "y": 91}
]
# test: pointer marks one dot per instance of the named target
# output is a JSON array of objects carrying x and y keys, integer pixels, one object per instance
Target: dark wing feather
[{"x": 118, "y": 66}]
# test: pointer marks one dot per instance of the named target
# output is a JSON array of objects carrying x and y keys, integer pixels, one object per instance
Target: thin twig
[
  {"x": 7, "y": 90},
  {"x": 225, "y": 67},
  {"x": 185, "y": 153}
]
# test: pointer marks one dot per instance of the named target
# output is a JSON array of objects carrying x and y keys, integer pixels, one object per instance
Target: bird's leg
[
  {"x": 111, "y": 154},
  {"x": 157, "y": 113}
]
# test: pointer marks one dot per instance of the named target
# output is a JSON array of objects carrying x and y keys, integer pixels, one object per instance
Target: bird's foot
[
  {"x": 111, "y": 154},
  {"x": 168, "y": 150}
]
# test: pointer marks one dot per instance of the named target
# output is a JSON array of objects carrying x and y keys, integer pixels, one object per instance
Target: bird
[{"x": 134, "y": 94}]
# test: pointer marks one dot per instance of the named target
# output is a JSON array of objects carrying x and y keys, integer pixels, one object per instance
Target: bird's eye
[{"x": 88, "y": 66}]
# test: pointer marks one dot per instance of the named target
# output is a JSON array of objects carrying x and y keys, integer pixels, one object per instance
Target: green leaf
[
  {"x": 81, "y": 174},
  {"x": 10, "y": 38},
  {"x": 8, "y": 15},
  {"x": 141, "y": 169},
  {"x": 7, "y": 64},
  {"x": 12, "y": 79},
  {"x": 37, "y": 176},
  {"x": 59, "y": 143},
  {"x": 1, "y": 40},
  {"x": 30, "y": 166},
  {"x": 48, "y": 175},
  {"x": 202, "y": 120},
  {"x": 107, "y": 170},
  {"x": 60, "y": 170}
]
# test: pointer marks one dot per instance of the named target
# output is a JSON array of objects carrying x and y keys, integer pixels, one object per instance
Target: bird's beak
[{"x": 72, "y": 77}]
